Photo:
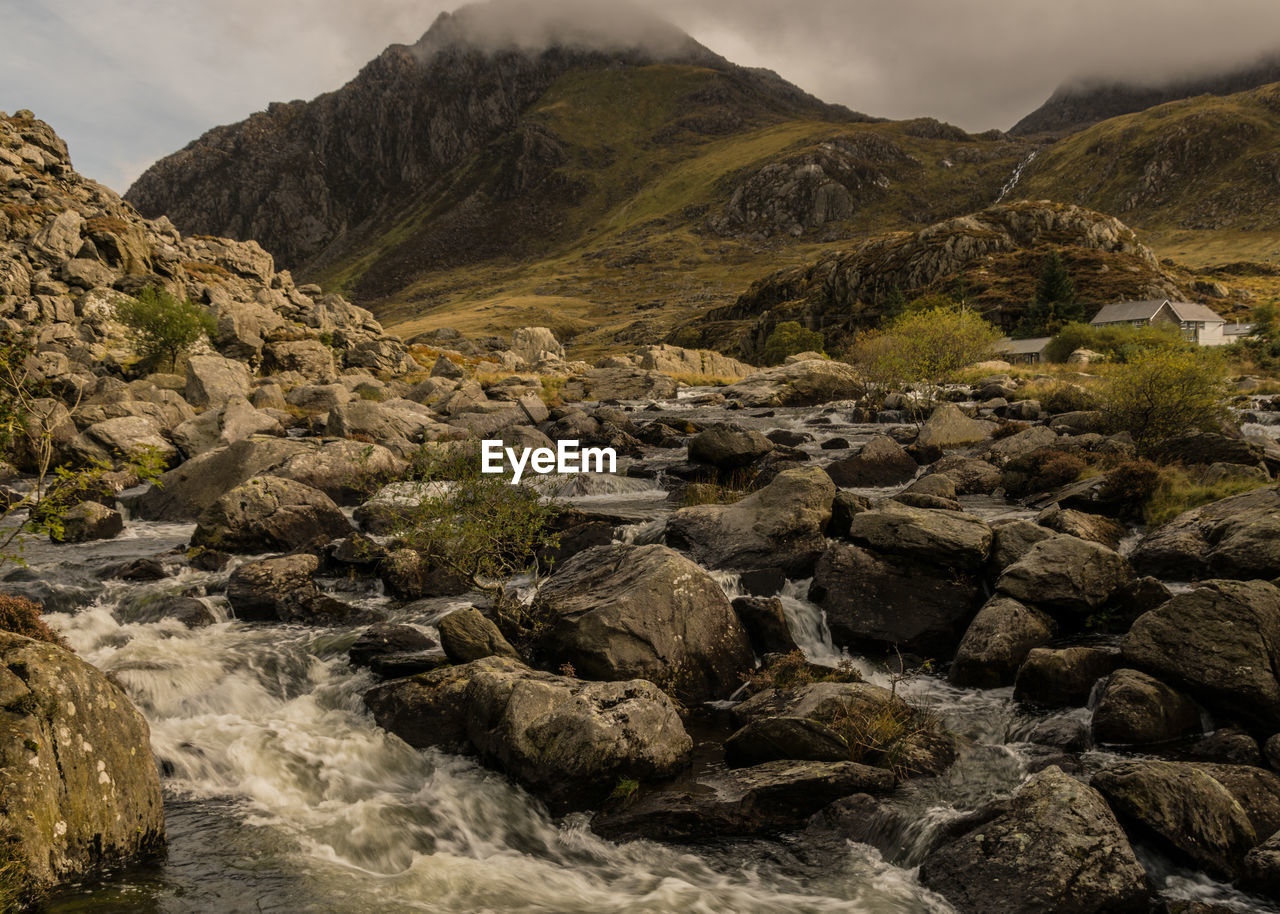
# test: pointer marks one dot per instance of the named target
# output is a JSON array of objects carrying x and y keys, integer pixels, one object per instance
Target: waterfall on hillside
[{"x": 1016, "y": 176}]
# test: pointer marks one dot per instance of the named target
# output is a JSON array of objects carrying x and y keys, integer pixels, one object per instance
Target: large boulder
[
  {"x": 184, "y": 493},
  {"x": 1066, "y": 575},
  {"x": 643, "y": 612},
  {"x": 533, "y": 344},
  {"x": 466, "y": 635},
  {"x": 213, "y": 380},
  {"x": 619, "y": 384},
  {"x": 281, "y": 590},
  {"x": 79, "y": 789},
  {"x": 122, "y": 438},
  {"x": 1136, "y": 709},
  {"x": 87, "y": 521},
  {"x": 390, "y": 421},
  {"x": 1055, "y": 848},
  {"x": 779, "y": 526},
  {"x": 728, "y": 447},
  {"x": 1237, "y": 537},
  {"x": 997, "y": 642},
  {"x": 947, "y": 427},
  {"x": 269, "y": 514},
  {"x": 1063, "y": 678},
  {"x": 881, "y": 462},
  {"x": 807, "y": 383},
  {"x": 1182, "y": 806},
  {"x": 674, "y": 360},
  {"x": 1220, "y": 643},
  {"x": 564, "y": 739},
  {"x": 882, "y": 601},
  {"x": 235, "y": 421},
  {"x": 925, "y": 535},
  {"x": 346, "y": 471}
]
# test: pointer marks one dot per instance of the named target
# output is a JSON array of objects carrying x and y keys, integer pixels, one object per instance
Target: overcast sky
[{"x": 128, "y": 81}]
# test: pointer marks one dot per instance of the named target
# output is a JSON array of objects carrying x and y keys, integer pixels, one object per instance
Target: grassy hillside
[{"x": 602, "y": 214}]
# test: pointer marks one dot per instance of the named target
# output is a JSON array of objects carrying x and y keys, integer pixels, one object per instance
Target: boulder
[
  {"x": 970, "y": 475},
  {"x": 1092, "y": 527},
  {"x": 466, "y": 635},
  {"x": 390, "y": 421},
  {"x": 125, "y": 437},
  {"x": 1063, "y": 678},
  {"x": 808, "y": 383},
  {"x": 311, "y": 359},
  {"x": 728, "y": 447},
  {"x": 1261, "y": 870},
  {"x": 409, "y": 575},
  {"x": 261, "y": 591},
  {"x": 674, "y": 360},
  {"x": 997, "y": 642},
  {"x": 1136, "y": 709},
  {"x": 213, "y": 428},
  {"x": 1011, "y": 540},
  {"x": 87, "y": 521},
  {"x": 881, "y": 462},
  {"x": 1220, "y": 644},
  {"x": 947, "y": 427},
  {"x": 1055, "y": 848},
  {"x": 766, "y": 625},
  {"x": 1066, "y": 575},
  {"x": 623, "y": 612},
  {"x": 387, "y": 644},
  {"x": 619, "y": 384},
  {"x": 533, "y": 344},
  {"x": 883, "y": 601},
  {"x": 346, "y": 471},
  {"x": 269, "y": 514},
  {"x": 566, "y": 740},
  {"x": 1237, "y": 537},
  {"x": 779, "y": 526},
  {"x": 79, "y": 788},
  {"x": 946, "y": 538},
  {"x": 213, "y": 380},
  {"x": 1189, "y": 813}
]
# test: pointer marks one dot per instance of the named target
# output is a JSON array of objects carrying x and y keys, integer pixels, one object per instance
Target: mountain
[
  {"x": 607, "y": 182},
  {"x": 1082, "y": 103},
  {"x": 1205, "y": 164},
  {"x": 990, "y": 259}
]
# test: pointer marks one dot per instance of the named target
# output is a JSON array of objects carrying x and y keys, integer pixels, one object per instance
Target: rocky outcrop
[
  {"x": 808, "y": 383},
  {"x": 1237, "y": 537},
  {"x": 623, "y": 612},
  {"x": 79, "y": 788},
  {"x": 566, "y": 740},
  {"x": 1055, "y": 848},
  {"x": 269, "y": 514}
]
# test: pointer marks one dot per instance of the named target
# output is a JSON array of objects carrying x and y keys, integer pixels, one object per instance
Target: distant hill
[{"x": 1082, "y": 103}]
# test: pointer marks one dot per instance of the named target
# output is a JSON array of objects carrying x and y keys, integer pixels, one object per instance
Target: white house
[{"x": 1198, "y": 322}]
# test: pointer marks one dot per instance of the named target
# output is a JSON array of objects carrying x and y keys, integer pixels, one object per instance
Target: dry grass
[
  {"x": 794, "y": 671},
  {"x": 22, "y": 617},
  {"x": 1180, "y": 489}
]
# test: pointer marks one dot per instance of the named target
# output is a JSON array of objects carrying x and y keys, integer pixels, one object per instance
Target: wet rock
[
  {"x": 1055, "y": 848},
  {"x": 779, "y": 526},
  {"x": 1136, "y": 709},
  {"x": 1218, "y": 643},
  {"x": 766, "y": 624},
  {"x": 466, "y": 635},
  {"x": 409, "y": 575},
  {"x": 80, "y": 786},
  {"x": 770, "y": 739},
  {"x": 260, "y": 591},
  {"x": 1188, "y": 812},
  {"x": 565, "y": 740},
  {"x": 945, "y": 538},
  {"x": 621, "y": 612},
  {"x": 1227, "y": 746},
  {"x": 385, "y": 643},
  {"x": 884, "y": 601},
  {"x": 1013, "y": 539},
  {"x": 997, "y": 643},
  {"x": 269, "y": 514},
  {"x": 88, "y": 521},
  {"x": 1237, "y": 537},
  {"x": 947, "y": 427},
  {"x": 190, "y": 611},
  {"x": 880, "y": 462},
  {"x": 728, "y": 447},
  {"x": 1063, "y": 678},
  {"x": 843, "y": 508},
  {"x": 1261, "y": 869},
  {"x": 1066, "y": 575}
]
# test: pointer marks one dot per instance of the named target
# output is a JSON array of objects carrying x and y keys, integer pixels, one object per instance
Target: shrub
[
  {"x": 163, "y": 327},
  {"x": 788, "y": 338},
  {"x": 793, "y": 671},
  {"x": 1119, "y": 343},
  {"x": 1163, "y": 393},
  {"x": 885, "y": 734},
  {"x": 1131, "y": 483},
  {"x": 1068, "y": 398},
  {"x": 932, "y": 346},
  {"x": 22, "y": 617},
  {"x": 1178, "y": 490}
]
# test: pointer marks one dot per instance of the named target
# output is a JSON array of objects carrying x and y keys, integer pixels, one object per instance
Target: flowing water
[{"x": 282, "y": 795}]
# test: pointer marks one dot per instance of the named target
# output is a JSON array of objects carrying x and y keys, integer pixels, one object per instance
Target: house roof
[
  {"x": 1024, "y": 347},
  {"x": 1237, "y": 329},
  {"x": 1127, "y": 311}
]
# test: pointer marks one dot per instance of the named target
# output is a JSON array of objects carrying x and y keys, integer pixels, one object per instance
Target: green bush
[
  {"x": 1163, "y": 393},
  {"x": 1119, "y": 342},
  {"x": 788, "y": 338},
  {"x": 161, "y": 327},
  {"x": 931, "y": 345}
]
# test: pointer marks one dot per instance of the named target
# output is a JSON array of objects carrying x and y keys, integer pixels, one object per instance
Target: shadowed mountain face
[
  {"x": 314, "y": 180},
  {"x": 1075, "y": 106}
]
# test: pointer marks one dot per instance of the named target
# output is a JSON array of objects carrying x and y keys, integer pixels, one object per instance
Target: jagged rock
[
  {"x": 533, "y": 344},
  {"x": 619, "y": 384},
  {"x": 213, "y": 380},
  {"x": 1055, "y": 848},
  {"x": 779, "y": 526},
  {"x": 267, "y": 513},
  {"x": 88, "y": 521},
  {"x": 126, "y": 437},
  {"x": 78, "y": 782},
  {"x": 237, "y": 420},
  {"x": 565, "y": 740},
  {"x": 674, "y": 360},
  {"x": 997, "y": 643},
  {"x": 728, "y": 447},
  {"x": 1066, "y": 575},
  {"x": 1092, "y": 527},
  {"x": 466, "y": 635},
  {"x": 1063, "y": 678},
  {"x": 810, "y": 383},
  {"x": 619, "y": 612},
  {"x": 1137, "y": 709},
  {"x": 881, "y": 462},
  {"x": 1190, "y": 813},
  {"x": 1218, "y": 643},
  {"x": 1237, "y": 537}
]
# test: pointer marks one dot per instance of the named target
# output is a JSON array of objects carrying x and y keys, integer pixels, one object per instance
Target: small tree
[
  {"x": 1054, "y": 304},
  {"x": 788, "y": 338},
  {"x": 163, "y": 327},
  {"x": 931, "y": 345},
  {"x": 1163, "y": 393}
]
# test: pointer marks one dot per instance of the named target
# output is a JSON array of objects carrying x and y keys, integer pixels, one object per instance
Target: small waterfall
[{"x": 1016, "y": 176}]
